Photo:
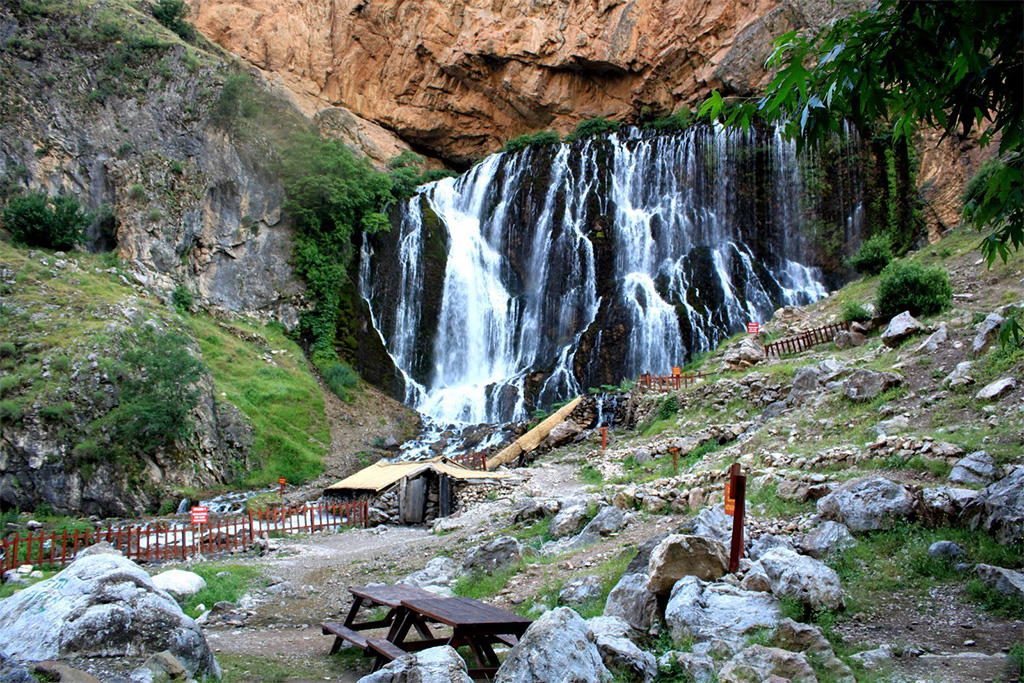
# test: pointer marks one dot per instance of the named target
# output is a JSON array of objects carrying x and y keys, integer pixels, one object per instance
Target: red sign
[
  {"x": 676, "y": 371},
  {"x": 200, "y": 515},
  {"x": 753, "y": 328},
  {"x": 730, "y": 499},
  {"x": 282, "y": 481}
]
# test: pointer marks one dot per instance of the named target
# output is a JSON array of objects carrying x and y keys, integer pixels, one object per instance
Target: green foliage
[
  {"x": 590, "y": 475},
  {"x": 479, "y": 585},
  {"x": 238, "y": 579},
  {"x": 127, "y": 61},
  {"x": 854, "y": 312},
  {"x": 912, "y": 287},
  {"x": 953, "y": 65},
  {"x": 173, "y": 14},
  {"x": 331, "y": 195},
  {"x": 156, "y": 383},
  {"x": 340, "y": 378},
  {"x": 238, "y": 100},
  {"x": 36, "y": 220},
  {"x": 408, "y": 171},
  {"x": 182, "y": 299},
  {"x": 591, "y": 127},
  {"x": 873, "y": 255},
  {"x": 668, "y": 408},
  {"x": 538, "y": 139},
  {"x": 681, "y": 120},
  {"x": 10, "y": 411}
]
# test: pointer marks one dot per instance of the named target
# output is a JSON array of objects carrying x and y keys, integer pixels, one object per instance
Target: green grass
[
  {"x": 240, "y": 578},
  {"x": 479, "y": 585},
  {"x": 536, "y": 534},
  {"x": 590, "y": 475},
  {"x": 765, "y": 502},
  {"x": 283, "y": 402},
  {"x": 662, "y": 466},
  {"x": 249, "y": 668}
]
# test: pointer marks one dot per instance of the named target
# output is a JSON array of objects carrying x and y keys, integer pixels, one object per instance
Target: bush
[
  {"x": 172, "y": 14},
  {"x": 913, "y": 287},
  {"x": 10, "y": 411},
  {"x": 544, "y": 137},
  {"x": 591, "y": 127},
  {"x": 182, "y": 299},
  {"x": 872, "y": 256},
  {"x": 854, "y": 313},
  {"x": 340, "y": 378},
  {"x": 37, "y": 220},
  {"x": 681, "y": 120}
]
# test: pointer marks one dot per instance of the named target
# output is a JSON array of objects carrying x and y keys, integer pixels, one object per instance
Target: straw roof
[{"x": 381, "y": 475}]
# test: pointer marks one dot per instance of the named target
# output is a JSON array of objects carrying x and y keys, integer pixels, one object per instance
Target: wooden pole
[{"x": 738, "y": 486}]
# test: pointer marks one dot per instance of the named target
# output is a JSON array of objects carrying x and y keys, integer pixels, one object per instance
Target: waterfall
[{"x": 537, "y": 274}]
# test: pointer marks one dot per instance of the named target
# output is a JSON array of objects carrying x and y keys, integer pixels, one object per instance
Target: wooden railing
[
  {"x": 473, "y": 461},
  {"x": 802, "y": 342},
  {"x": 164, "y": 541},
  {"x": 649, "y": 382}
]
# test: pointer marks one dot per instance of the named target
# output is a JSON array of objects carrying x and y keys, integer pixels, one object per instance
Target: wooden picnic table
[
  {"x": 390, "y": 596},
  {"x": 474, "y": 624}
]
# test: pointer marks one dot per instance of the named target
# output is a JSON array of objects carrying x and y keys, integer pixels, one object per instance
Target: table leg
[
  {"x": 403, "y": 621},
  {"x": 356, "y": 604}
]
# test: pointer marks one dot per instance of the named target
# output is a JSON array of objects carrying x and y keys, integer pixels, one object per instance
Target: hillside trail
[{"x": 320, "y": 569}]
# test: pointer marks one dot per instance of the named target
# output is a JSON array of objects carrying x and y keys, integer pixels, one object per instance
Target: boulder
[
  {"x": 608, "y": 520},
  {"x": 101, "y": 606},
  {"x": 568, "y": 521},
  {"x": 711, "y": 522},
  {"x": 975, "y": 469},
  {"x": 792, "y": 635},
  {"x": 678, "y": 556},
  {"x": 697, "y": 668},
  {"x": 867, "y": 504},
  {"x": 988, "y": 332},
  {"x": 739, "y": 356},
  {"x": 943, "y": 505},
  {"x": 865, "y": 385},
  {"x": 960, "y": 377},
  {"x": 13, "y": 672},
  {"x": 563, "y": 433},
  {"x": 945, "y": 550},
  {"x": 934, "y": 341},
  {"x": 618, "y": 651},
  {"x": 793, "y": 490},
  {"x": 61, "y": 672},
  {"x": 759, "y": 663},
  {"x": 632, "y": 602},
  {"x": 901, "y": 328},
  {"x": 804, "y": 384},
  {"x": 874, "y": 659},
  {"x": 828, "y": 537},
  {"x": 162, "y": 667},
  {"x": 440, "y": 571},
  {"x": 179, "y": 583},
  {"x": 756, "y": 579},
  {"x": 493, "y": 555},
  {"x": 848, "y": 339},
  {"x": 999, "y": 509},
  {"x": 558, "y": 647},
  {"x": 709, "y": 612},
  {"x": 763, "y": 543},
  {"x": 580, "y": 591},
  {"x": 996, "y": 390},
  {"x": 797, "y": 576},
  {"x": 638, "y": 565},
  {"x": 1006, "y": 581},
  {"x": 435, "y": 665}
]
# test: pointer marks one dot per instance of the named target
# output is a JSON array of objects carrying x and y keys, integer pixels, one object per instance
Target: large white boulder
[
  {"x": 632, "y": 602},
  {"x": 679, "y": 555},
  {"x": 614, "y": 638},
  {"x": 435, "y": 665},
  {"x": 792, "y": 575},
  {"x": 179, "y": 583},
  {"x": 717, "y": 612},
  {"x": 101, "y": 606},
  {"x": 557, "y": 648},
  {"x": 867, "y": 504}
]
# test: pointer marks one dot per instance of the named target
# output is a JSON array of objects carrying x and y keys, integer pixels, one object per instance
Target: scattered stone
[
  {"x": 797, "y": 576},
  {"x": 13, "y": 672},
  {"x": 711, "y": 522},
  {"x": 945, "y": 550},
  {"x": 440, "y": 571},
  {"x": 900, "y": 328},
  {"x": 58, "y": 671},
  {"x": 743, "y": 355},
  {"x": 756, "y": 579},
  {"x": 999, "y": 509},
  {"x": 760, "y": 663},
  {"x": 997, "y": 389},
  {"x": 988, "y": 332},
  {"x": 804, "y": 384},
  {"x": 568, "y": 521},
  {"x": 865, "y": 385},
  {"x": 848, "y": 339},
  {"x": 618, "y": 651},
  {"x": 633, "y": 603},
  {"x": 934, "y": 341},
  {"x": 435, "y": 665},
  {"x": 960, "y": 377},
  {"x": 162, "y": 667},
  {"x": 765, "y": 542},
  {"x": 943, "y": 505},
  {"x": 828, "y": 537},
  {"x": 559, "y": 646},
  {"x": 678, "y": 556},
  {"x": 698, "y": 668},
  {"x": 717, "y": 613},
  {"x": 978, "y": 468},
  {"x": 793, "y": 490},
  {"x": 493, "y": 555},
  {"x": 874, "y": 659},
  {"x": 580, "y": 591},
  {"x": 609, "y": 520},
  {"x": 101, "y": 606},
  {"x": 179, "y": 583},
  {"x": 867, "y": 504},
  {"x": 1006, "y": 581},
  {"x": 893, "y": 425}
]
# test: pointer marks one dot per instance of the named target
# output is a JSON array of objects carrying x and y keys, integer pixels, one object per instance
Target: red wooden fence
[
  {"x": 801, "y": 342},
  {"x": 649, "y": 382},
  {"x": 170, "y": 541},
  {"x": 474, "y": 461}
]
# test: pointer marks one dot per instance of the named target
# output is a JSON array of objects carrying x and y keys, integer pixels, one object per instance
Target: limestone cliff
[{"x": 460, "y": 77}]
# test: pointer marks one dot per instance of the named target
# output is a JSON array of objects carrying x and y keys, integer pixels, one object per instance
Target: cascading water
[{"x": 539, "y": 273}]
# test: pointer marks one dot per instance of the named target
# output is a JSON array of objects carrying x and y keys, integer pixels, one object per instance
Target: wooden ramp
[{"x": 531, "y": 439}]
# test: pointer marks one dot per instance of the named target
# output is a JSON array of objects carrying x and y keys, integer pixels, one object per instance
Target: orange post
[{"x": 604, "y": 437}]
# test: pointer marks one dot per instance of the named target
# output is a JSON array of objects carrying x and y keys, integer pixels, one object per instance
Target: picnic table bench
[{"x": 386, "y": 596}]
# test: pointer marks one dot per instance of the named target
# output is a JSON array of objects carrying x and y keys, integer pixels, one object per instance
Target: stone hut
[{"x": 412, "y": 492}]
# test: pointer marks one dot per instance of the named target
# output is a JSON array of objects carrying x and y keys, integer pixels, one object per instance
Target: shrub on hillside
[
  {"x": 590, "y": 127},
  {"x": 173, "y": 14},
  {"x": 36, "y": 220},
  {"x": 182, "y": 299},
  {"x": 912, "y": 287},
  {"x": 853, "y": 312},
  {"x": 872, "y": 256},
  {"x": 544, "y": 137},
  {"x": 340, "y": 378}
]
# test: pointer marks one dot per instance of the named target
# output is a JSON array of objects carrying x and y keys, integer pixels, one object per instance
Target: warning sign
[
  {"x": 200, "y": 515},
  {"x": 753, "y": 328}
]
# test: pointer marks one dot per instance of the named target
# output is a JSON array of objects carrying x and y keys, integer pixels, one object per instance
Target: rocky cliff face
[{"x": 460, "y": 77}]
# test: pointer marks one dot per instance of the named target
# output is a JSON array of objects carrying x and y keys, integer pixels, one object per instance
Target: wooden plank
[
  {"x": 343, "y": 633},
  {"x": 533, "y": 438},
  {"x": 385, "y": 649}
]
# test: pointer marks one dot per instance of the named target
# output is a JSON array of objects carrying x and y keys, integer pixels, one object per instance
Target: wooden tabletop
[
  {"x": 390, "y": 595},
  {"x": 468, "y": 614}
]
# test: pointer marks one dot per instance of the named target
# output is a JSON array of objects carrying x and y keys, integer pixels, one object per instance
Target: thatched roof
[{"x": 382, "y": 475}]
